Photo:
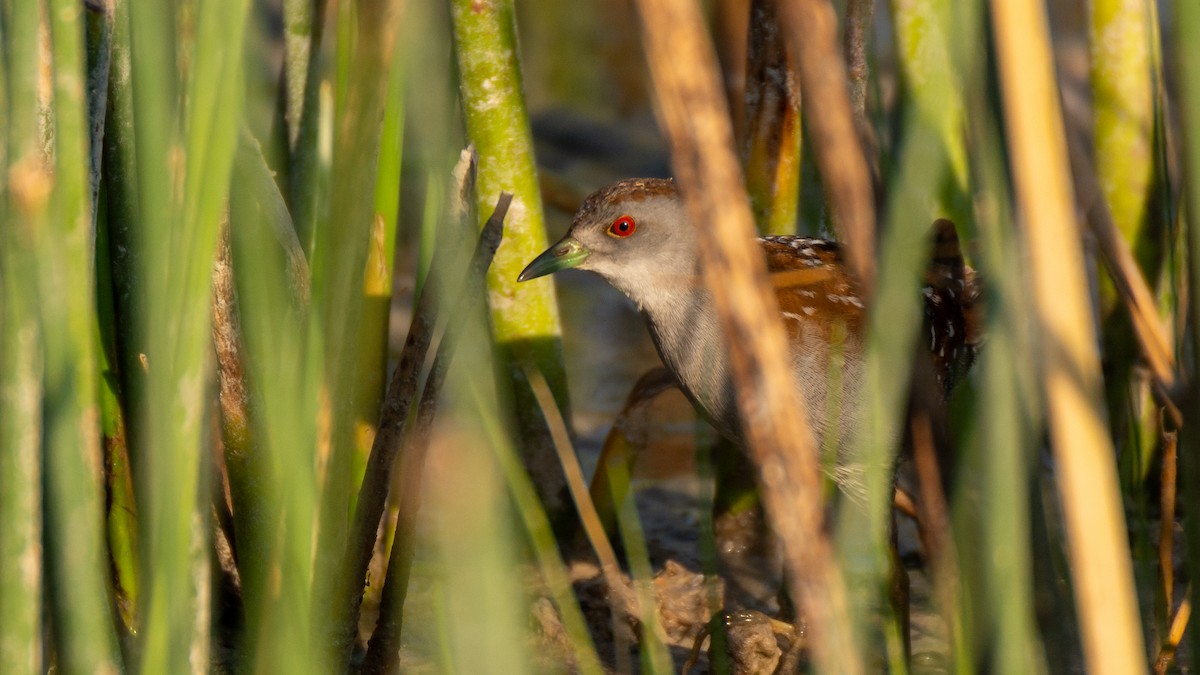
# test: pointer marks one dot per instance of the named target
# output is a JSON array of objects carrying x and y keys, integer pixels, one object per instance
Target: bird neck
[{"x": 686, "y": 330}]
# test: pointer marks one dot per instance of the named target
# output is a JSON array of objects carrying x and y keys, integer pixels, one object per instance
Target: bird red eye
[{"x": 622, "y": 227}]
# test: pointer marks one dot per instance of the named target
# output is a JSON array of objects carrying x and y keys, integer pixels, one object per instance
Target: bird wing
[{"x": 812, "y": 284}]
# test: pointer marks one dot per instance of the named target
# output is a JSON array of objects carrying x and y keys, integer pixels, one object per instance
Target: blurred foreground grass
[{"x": 216, "y": 217}]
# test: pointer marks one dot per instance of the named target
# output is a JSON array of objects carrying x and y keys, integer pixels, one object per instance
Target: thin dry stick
[
  {"x": 373, "y": 491},
  {"x": 383, "y": 651},
  {"x": 1166, "y": 516},
  {"x": 593, "y": 526},
  {"x": 1131, "y": 285},
  {"x": 690, "y": 106},
  {"x": 936, "y": 535},
  {"x": 859, "y": 14},
  {"x": 812, "y": 27},
  {"x": 1087, "y": 482}
]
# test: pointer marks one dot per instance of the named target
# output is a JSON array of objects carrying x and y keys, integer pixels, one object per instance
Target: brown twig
[
  {"x": 383, "y": 650},
  {"x": 690, "y": 106},
  {"x": 1166, "y": 502},
  {"x": 593, "y": 525},
  {"x": 373, "y": 491},
  {"x": 859, "y": 14},
  {"x": 812, "y": 27},
  {"x": 1127, "y": 276},
  {"x": 934, "y": 528}
]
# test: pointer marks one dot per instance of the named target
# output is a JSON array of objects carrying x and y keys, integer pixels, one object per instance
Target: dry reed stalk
[
  {"x": 1087, "y": 482},
  {"x": 383, "y": 652},
  {"x": 1166, "y": 503},
  {"x": 684, "y": 70},
  {"x": 812, "y": 28},
  {"x": 1131, "y": 285},
  {"x": 389, "y": 438}
]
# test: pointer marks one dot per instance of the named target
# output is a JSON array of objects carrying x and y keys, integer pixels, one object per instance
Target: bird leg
[{"x": 619, "y": 448}]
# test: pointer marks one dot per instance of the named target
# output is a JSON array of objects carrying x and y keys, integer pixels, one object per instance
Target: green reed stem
[
  {"x": 525, "y": 319},
  {"x": 179, "y": 234},
  {"x": 21, "y": 383},
  {"x": 74, "y": 504}
]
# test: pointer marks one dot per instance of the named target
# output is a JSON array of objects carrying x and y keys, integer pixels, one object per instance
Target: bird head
[{"x": 634, "y": 233}]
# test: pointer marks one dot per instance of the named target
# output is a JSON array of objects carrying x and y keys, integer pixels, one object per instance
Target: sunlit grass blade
[
  {"x": 925, "y": 37},
  {"x": 304, "y": 29},
  {"x": 537, "y": 527},
  {"x": 1005, "y": 435},
  {"x": 652, "y": 648},
  {"x": 398, "y": 455},
  {"x": 473, "y": 528},
  {"x": 119, "y": 497},
  {"x": 21, "y": 588},
  {"x": 372, "y": 352},
  {"x": 1087, "y": 482},
  {"x": 892, "y": 339}
]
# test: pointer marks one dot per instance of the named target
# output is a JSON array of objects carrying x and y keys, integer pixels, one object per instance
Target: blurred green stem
[
  {"x": 924, "y": 31},
  {"x": 304, "y": 25},
  {"x": 179, "y": 233},
  {"x": 73, "y": 499},
  {"x": 21, "y": 393},
  {"x": 339, "y": 260}
]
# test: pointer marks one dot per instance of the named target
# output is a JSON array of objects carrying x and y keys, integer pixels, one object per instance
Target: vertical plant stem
[
  {"x": 1124, "y": 142},
  {"x": 1187, "y": 20},
  {"x": 304, "y": 24},
  {"x": 1122, "y": 92},
  {"x": 684, "y": 70},
  {"x": 1087, "y": 482},
  {"x": 652, "y": 648},
  {"x": 524, "y": 317},
  {"x": 811, "y": 25},
  {"x": 383, "y": 653},
  {"x": 73, "y": 498},
  {"x": 925, "y": 34},
  {"x": 1006, "y": 425},
  {"x": 23, "y": 192},
  {"x": 179, "y": 252},
  {"x": 771, "y": 141},
  {"x": 372, "y": 352},
  {"x": 20, "y": 466},
  {"x": 339, "y": 260},
  {"x": 273, "y": 481},
  {"x": 859, "y": 14},
  {"x": 731, "y": 36}
]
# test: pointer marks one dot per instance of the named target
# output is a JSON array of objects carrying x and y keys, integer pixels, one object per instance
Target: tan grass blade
[{"x": 1087, "y": 481}]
